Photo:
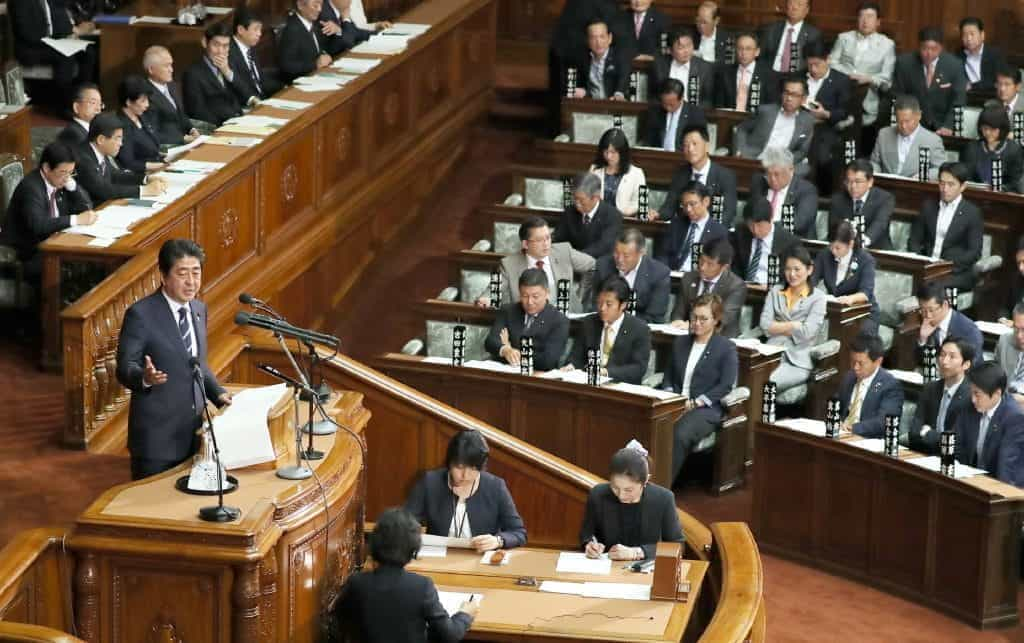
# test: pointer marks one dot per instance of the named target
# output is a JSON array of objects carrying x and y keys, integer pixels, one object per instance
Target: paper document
[
  {"x": 452, "y": 601},
  {"x": 247, "y": 130},
  {"x": 572, "y": 316},
  {"x": 280, "y": 103},
  {"x": 668, "y": 329},
  {"x": 313, "y": 89},
  {"x": 154, "y": 20},
  {"x": 874, "y": 445},
  {"x": 577, "y": 376},
  {"x": 561, "y": 587},
  {"x": 804, "y": 425},
  {"x": 760, "y": 347},
  {"x": 67, "y": 47},
  {"x": 100, "y": 242},
  {"x": 570, "y": 562},
  {"x": 432, "y": 551},
  {"x": 177, "y": 151},
  {"x": 195, "y": 167},
  {"x": 355, "y": 65},
  {"x": 434, "y": 359},
  {"x": 218, "y": 11},
  {"x": 234, "y": 141},
  {"x": 934, "y": 463},
  {"x": 381, "y": 44},
  {"x": 98, "y": 230},
  {"x": 908, "y": 255},
  {"x": 911, "y": 377},
  {"x": 627, "y": 591},
  {"x": 646, "y": 391},
  {"x": 488, "y": 365},
  {"x": 407, "y": 28},
  {"x": 993, "y": 328},
  {"x": 257, "y": 121},
  {"x": 242, "y": 432},
  {"x": 446, "y": 541}
]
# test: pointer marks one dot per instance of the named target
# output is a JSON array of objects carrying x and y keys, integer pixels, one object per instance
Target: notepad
[
  {"x": 452, "y": 601},
  {"x": 624, "y": 591},
  {"x": 432, "y": 551},
  {"x": 577, "y": 563},
  {"x": 280, "y": 103},
  {"x": 446, "y": 541},
  {"x": 804, "y": 425},
  {"x": 561, "y": 587}
]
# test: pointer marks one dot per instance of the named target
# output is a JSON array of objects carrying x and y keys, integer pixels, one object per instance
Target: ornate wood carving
[
  {"x": 245, "y": 599},
  {"x": 163, "y": 630},
  {"x": 289, "y": 183},
  {"x": 268, "y": 597},
  {"x": 228, "y": 228},
  {"x": 343, "y": 144},
  {"x": 87, "y": 592}
]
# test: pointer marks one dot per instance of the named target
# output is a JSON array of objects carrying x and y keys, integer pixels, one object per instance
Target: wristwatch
[{"x": 501, "y": 542}]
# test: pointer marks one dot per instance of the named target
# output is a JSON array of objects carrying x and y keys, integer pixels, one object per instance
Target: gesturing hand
[{"x": 150, "y": 375}]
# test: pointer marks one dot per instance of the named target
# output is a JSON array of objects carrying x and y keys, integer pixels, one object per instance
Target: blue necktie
[
  {"x": 183, "y": 328},
  {"x": 940, "y": 422}
]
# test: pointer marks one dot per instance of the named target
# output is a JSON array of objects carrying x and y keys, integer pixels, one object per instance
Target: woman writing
[
  {"x": 848, "y": 272},
  {"x": 620, "y": 179}
]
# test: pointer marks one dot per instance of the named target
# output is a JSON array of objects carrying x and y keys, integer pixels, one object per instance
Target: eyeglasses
[{"x": 65, "y": 174}]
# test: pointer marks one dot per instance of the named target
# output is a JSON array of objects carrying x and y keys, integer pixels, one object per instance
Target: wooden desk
[
  {"x": 16, "y": 135},
  {"x": 953, "y": 545}
]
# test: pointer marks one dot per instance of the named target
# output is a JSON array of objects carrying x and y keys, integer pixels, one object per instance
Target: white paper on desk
[
  {"x": 67, "y": 47},
  {"x": 241, "y": 430},
  {"x": 561, "y": 587},
  {"x": 177, "y": 151},
  {"x": 355, "y": 65},
  {"x": 434, "y": 359},
  {"x": 381, "y": 44},
  {"x": 488, "y": 365},
  {"x": 910, "y": 377},
  {"x": 646, "y": 391},
  {"x": 804, "y": 425},
  {"x": 760, "y": 347},
  {"x": 446, "y": 541},
  {"x": 280, "y": 103},
  {"x": 97, "y": 230},
  {"x": 218, "y": 11},
  {"x": 408, "y": 28},
  {"x": 570, "y": 562},
  {"x": 123, "y": 216},
  {"x": 257, "y": 121},
  {"x": 577, "y": 376},
  {"x": 313, "y": 89},
  {"x": 155, "y": 20},
  {"x": 234, "y": 141},
  {"x": 100, "y": 242},
  {"x": 196, "y": 167},
  {"x": 993, "y": 328},
  {"x": 432, "y": 551},
  {"x": 247, "y": 130},
  {"x": 452, "y": 601},
  {"x": 626, "y": 591},
  {"x": 668, "y": 329},
  {"x": 933, "y": 463}
]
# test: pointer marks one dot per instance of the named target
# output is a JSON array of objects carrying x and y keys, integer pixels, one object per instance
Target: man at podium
[{"x": 161, "y": 358}]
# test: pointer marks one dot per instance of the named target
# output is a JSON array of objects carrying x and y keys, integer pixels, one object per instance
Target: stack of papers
[
  {"x": 934, "y": 463},
  {"x": 760, "y": 347},
  {"x": 280, "y": 103},
  {"x": 355, "y": 66},
  {"x": 67, "y": 47},
  {"x": 187, "y": 166},
  {"x": 488, "y": 365},
  {"x": 911, "y": 377},
  {"x": 627, "y": 591},
  {"x": 234, "y": 141},
  {"x": 383, "y": 44},
  {"x": 646, "y": 391},
  {"x": 155, "y": 20},
  {"x": 178, "y": 183},
  {"x": 241, "y": 430},
  {"x": 570, "y": 562},
  {"x": 993, "y": 328},
  {"x": 318, "y": 83},
  {"x": 406, "y": 29},
  {"x": 874, "y": 445},
  {"x": 446, "y": 541},
  {"x": 574, "y": 376},
  {"x": 257, "y": 121},
  {"x": 804, "y": 425},
  {"x": 909, "y": 255},
  {"x": 668, "y": 329},
  {"x": 452, "y": 601},
  {"x": 175, "y": 152}
]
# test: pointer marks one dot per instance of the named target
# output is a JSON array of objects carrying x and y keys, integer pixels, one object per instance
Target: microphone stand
[
  {"x": 298, "y": 471},
  {"x": 323, "y": 393},
  {"x": 219, "y": 512}
]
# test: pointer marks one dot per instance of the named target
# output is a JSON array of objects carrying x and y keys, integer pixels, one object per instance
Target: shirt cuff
[{"x": 74, "y": 219}]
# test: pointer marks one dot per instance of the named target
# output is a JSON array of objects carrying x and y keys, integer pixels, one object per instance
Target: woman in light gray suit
[{"x": 792, "y": 317}]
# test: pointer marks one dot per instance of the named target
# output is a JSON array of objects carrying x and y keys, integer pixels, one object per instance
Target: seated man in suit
[
  {"x": 560, "y": 262},
  {"x": 720, "y": 180},
  {"x": 589, "y": 225},
  {"x": 898, "y": 148},
  {"x": 939, "y": 320},
  {"x": 758, "y": 240},
  {"x": 867, "y": 56},
  {"x": 604, "y": 68},
  {"x": 85, "y": 105},
  {"x": 31, "y": 22},
  {"x": 712, "y": 41},
  {"x": 301, "y": 47},
  {"x": 251, "y": 80},
  {"x": 951, "y": 227},
  {"x": 868, "y": 392},
  {"x": 739, "y": 83},
  {"x": 695, "y": 228},
  {"x": 696, "y": 75},
  {"x": 712, "y": 277},
  {"x": 341, "y": 33},
  {"x": 942, "y": 401},
  {"x": 991, "y": 435},
  {"x": 860, "y": 198},
  {"x": 648, "y": 28},
  {"x": 785, "y": 127},
  {"x": 980, "y": 60},
  {"x": 667, "y": 120},
  {"x": 211, "y": 93},
  {"x": 99, "y": 173},
  {"x": 47, "y": 200},
  {"x": 623, "y": 342},
  {"x": 532, "y": 316},
  {"x": 1010, "y": 354},
  {"x": 1008, "y": 92},
  {"x": 648, "y": 279},
  {"x": 166, "y": 113},
  {"x": 935, "y": 78},
  {"x": 783, "y": 40},
  {"x": 780, "y": 186},
  {"x": 828, "y": 100}
]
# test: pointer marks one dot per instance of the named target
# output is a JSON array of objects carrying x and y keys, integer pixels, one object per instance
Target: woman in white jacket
[{"x": 620, "y": 179}]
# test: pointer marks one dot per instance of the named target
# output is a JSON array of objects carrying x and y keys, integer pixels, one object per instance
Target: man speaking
[{"x": 161, "y": 348}]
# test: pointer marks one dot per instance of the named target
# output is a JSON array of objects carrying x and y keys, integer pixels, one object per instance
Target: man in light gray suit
[
  {"x": 1010, "y": 355},
  {"x": 898, "y": 147},
  {"x": 867, "y": 57},
  {"x": 786, "y": 126},
  {"x": 558, "y": 261}
]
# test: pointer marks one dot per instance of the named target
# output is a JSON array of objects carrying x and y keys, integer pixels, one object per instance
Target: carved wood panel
[
  {"x": 342, "y": 135},
  {"x": 287, "y": 186},
  {"x": 226, "y": 228},
  {"x": 390, "y": 114},
  {"x": 182, "y": 228},
  {"x": 155, "y": 601},
  {"x": 433, "y": 81}
]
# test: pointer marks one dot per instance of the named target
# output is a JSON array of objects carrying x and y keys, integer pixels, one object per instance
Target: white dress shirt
[
  {"x": 814, "y": 85},
  {"x": 972, "y": 65},
  {"x": 843, "y": 267},
  {"x": 532, "y": 261},
  {"x": 946, "y": 212},
  {"x": 777, "y": 65},
  {"x": 706, "y": 50},
  {"x": 904, "y": 144},
  {"x": 680, "y": 72},
  {"x": 696, "y": 351},
  {"x": 460, "y": 519},
  {"x": 630, "y": 276},
  {"x": 861, "y": 388},
  {"x": 175, "y": 307},
  {"x": 782, "y": 131},
  {"x": 702, "y": 171}
]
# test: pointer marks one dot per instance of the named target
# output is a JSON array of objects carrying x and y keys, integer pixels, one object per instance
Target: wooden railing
[{"x": 35, "y": 588}]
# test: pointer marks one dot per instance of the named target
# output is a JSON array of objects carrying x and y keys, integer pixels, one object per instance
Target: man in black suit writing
[
  {"x": 532, "y": 316},
  {"x": 648, "y": 278},
  {"x": 212, "y": 93},
  {"x": 100, "y": 174},
  {"x": 589, "y": 225},
  {"x": 301, "y": 48},
  {"x": 162, "y": 336},
  {"x": 249, "y": 77},
  {"x": 941, "y": 402},
  {"x": 623, "y": 342},
  {"x": 33, "y": 20}
]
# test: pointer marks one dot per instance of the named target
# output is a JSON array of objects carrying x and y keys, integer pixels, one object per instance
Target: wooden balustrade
[{"x": 35, "y": 587}]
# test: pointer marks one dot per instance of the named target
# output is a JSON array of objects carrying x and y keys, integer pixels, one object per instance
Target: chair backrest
[
  {"x": 439, "y": 339},
  {"x": 543, "y": 194},
  {"x": 899, "y": 233},
  {"x": 588, "y": 127},
  {"x": 970, "y": 128},
  {"x": 473, "y": 283},
  {"x": 11, "y": 173},
  {"x": 890, "y": 288},
  {"x": 821, "y": 224}
]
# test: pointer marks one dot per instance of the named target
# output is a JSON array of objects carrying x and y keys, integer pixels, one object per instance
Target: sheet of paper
[
  {"x": 242, "y": 432},
  {"x": 177, "y": 151},
  {"x": 218, "y": 11},
  {"x": 626, "y": 591},
  {"x": 281, "y": 103},
  {"x": 899, "y": 177},
  {"x": 911, "y": 377},
  {"x": 155, "y": 20},
  {"x": 246, "y": 130},
  {"x": 804, "y": 425},
  {"x": 578, "y": 315},
  {"x": 646, "y": 391},
  {"x": 760, "y": 347},
  {"x": 432, "y": 551},
  {"x": 445, "y": 541},
  {"x": 355, "y": 65},
  {"x": 488, "y": 365},
  {"x": 313, "y": 89},
  {"x": 577, "y": 376},
  {"x": 934, "y": 463},
  {"x": 97, "y": 230},
  {"x": 571, "y": 562},
  {"x": 67, "y": 47},
  {"x": 561, "y": 587},
  {"x": 486, "y": 558},
  {"x": 452, "y": 601},
  {"x": 381, "y": 44},
  {"x": 234, "y": 141},
  {"x": 434, "y": 359},
  {"x": 200, "y": 167},
  {"x": 411, "y": 28},
  {"x": 123, "y": 216},
  {"x": 993, "y": 328},
  {"x": 874, "y": 445},
  {"x": 907, "y": 255},
  {"x": 318, "y": 83},
  {"x": 258, "y": 121},
  {"x": 668, "y": 329},
  {"x": 100, "y": 242}
]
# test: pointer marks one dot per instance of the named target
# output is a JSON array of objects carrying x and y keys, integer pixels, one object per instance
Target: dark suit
[
  {"x": 825, "y": 157},
  {"x": 209, "y": 96},
  {"x": 30, "y": 221},
  {"x": 1002, "y": 454},
  {"x": 490, "y": 509},
  {"x": 960, "y": 325},
  {"x": 884, "y": 397},
  {"x": 927, "y": 414},
  {"x": 570, "y": 32},
  {"x": 244, "y": 80},
  {"x": 298, "y": 48},
  {"x": 74, "y": 134},
  {"x": 714, "y": 375},
  {"x": 655, "y": 23},
  {"x": 550, "y": 333},
  {"x": 596, "y": 238},
  {"x": 978, "y": 159},
  {"x": 948, "y": 88},
  {"x": 720, "y": 180},
  {"x": 860, "y": 277},
  {"x": 617, "y": 67},
  {"x": 876, "y": 210},
  {"x": 700, "y": 69},
  {"x": 630, "y": 352},
  {"x": 834, "y": 95},
  {"x": 659, "y": 522},
  {"x": 742, "y": 238},
  {"x": 725, "y": 85},
  {"x": 168, "y": 120},
  {"x": 105, "y": 183},
  {"x": 961, "y": 245},
  {"x": 350, "y": 35},
  {"x": 657, "y": 118},
  {"x": 730, "y": 288},
  {"x": 29, "y": 26},
  {"x": 770, "y": 38},
  {"x": 676, "y": 248},
  {"x": 140, "y": 145},
  {"x": 390, "y": 604},
  {"x": 723, "y": 39},
  {"x": 802, "y": 195},
  {"x": 991, "y": 60},
  {"x": 1014, "y": 295},
  {"x": 652, "y": 286},
  {"x": 163, "y": 418}
]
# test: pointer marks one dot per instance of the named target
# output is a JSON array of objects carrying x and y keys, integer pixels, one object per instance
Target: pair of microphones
[{"x": 276, "y": 324}]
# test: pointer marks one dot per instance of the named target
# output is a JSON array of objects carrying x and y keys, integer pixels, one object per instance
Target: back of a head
[
  {"x": 105, "y": 124},
  {"x": 395, "y": 538},
  {"x": 759, "y": 210},
  {"x": 869, "y": 343}
]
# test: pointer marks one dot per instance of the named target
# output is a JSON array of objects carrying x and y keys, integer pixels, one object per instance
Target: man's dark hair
[
  {"x": 870, "y": 6},
  {"x": 55, "y": 154},
  {"x": 862, "y": 165},
  {"x": 630, "y": 463},
  {"x": 700, "y": 129},
  {"x": 467, "y": 448},
  {"x": 684, "y": 32},
  {"x": 174, "y": 250},
  {"x": 931, "y": 291},
  {"x": 395, "y": 538},
  {"x": 533, "y": 277},
  {"x": 931, "y": 33},
  {"x": 81, "y": 89},
  {"x": 794, "y": 79},
  {"x": 972, "y": 21},
  {"x": 759, "y": 210},
  {"x": 132, "y": 88},
  {"x": 698, "y": 188},
  {"x": 720, "y": 250},
  {"x": 1007, "y": 71},
  {"x": 244, "y": 17},
  {"x": 748, "y": 34},
  {"x": 868, "y": 343},
  {"x": 598, "y": 21},
  {"x": 672, "y": 86},
  {"x": 531, "y": 224},
  {"x": 634, "y": 237},
  {"x": 966, "y": 348},
  {"x": 958, "y": 170},
  {"x": 988, "y": 376},
  {"x": 617, "y": 286},
  {"x": 816, "y": 49},
  {"x": 105, "y": 124},
  {"x": 217, "y": 30}
]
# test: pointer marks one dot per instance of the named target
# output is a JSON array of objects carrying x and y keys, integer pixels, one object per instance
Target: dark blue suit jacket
[
  {"x": 490, "y": 510},
  {"x": 659, "y": 521},
  {"x": 1003, "y": 452},
  {"x": 652, "y": 286},
  {"x": 963, "y": 327},
  {"x": 675, "y": 253},
  {"x": 834, "y": 95},
  {"x": 713, "y": 376},
  {"x": 885, "y": 397},
  {"x": 860, "y": 276}
]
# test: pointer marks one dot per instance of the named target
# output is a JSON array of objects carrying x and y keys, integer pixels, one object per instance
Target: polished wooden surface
[
  {"x": 16, "y": 135},
  {"x": 950, "y": 544}
]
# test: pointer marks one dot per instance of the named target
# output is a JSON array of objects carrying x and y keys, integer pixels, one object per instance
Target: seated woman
[
  {"x": 140, "y": 150},
  {"x": 993, "y": 143},
  {"x": 792, "y": 316},
  {"x": 464, "y": 501},
  {"x": 848, "y": 272},
  {"x": 703, "y": 369},
  {"x": 620, "y": 179},
  {"x": 390, "y": 604},
  {"x": 628, "y": 516}
]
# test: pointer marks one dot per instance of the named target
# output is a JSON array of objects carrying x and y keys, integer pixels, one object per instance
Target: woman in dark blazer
[
  {"x": 858, "y": 283},
  {"x": 464, "y": 501},
  {"x": 140, "y": 150},
  {"x": 994, "y": 142},
  {"x": 703, "y": 369},
  {"x": 628, "y": 516},
  {"x": 390, "y": 604}
]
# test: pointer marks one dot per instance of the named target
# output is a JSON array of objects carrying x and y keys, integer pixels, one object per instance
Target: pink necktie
[
  {"x": 929, "y": 76},
  {"x": 639, "y": 24},
  {"x": 787, "y": 45},
  {"x": 540, "y": 264},
  {"x": 741, "y": 90},
  {"x": 54, "y": 212},
  {"x": 775, "y": 202}
]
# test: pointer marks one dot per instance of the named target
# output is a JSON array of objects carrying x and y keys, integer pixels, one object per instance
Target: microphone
[
  {"x": 259, "y": 304},
  {"x": 193, "y": 363},
  {"x": 284, "y": 328},
  {"x": 273, "y": 372}
]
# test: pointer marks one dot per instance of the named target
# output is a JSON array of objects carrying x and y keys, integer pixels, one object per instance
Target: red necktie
[
  {"x": 639, "y": 24},
  {"x": 54, "y": 212},
  {"x": 787, "y": 45},
  {"x": 540, "y": 264}
]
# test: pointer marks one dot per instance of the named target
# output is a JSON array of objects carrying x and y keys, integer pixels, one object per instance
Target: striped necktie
[
  {"x": 755, "y": 261},
  {"x": 184, "y": 329}
]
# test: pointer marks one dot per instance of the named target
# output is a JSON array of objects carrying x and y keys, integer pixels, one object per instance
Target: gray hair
[
  {"x": 153, "y": 56},
  {"x": 633, "y": 236},
  {"x": 587, "y": 183},
  {"x": 907, "y": 102},
  {"x": 776, "y": 157}
]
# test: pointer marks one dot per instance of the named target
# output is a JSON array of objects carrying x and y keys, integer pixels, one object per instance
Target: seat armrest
[
  {"x": 737, "y": 396},
  {"x": 563, "y": 138},
  {"x": 988, "y": 264},
  {"x": 483, "y": 245},
  {"x": 413, "y": 347},
  {"x": 515, "y": 199},
  {"x": 825, "y": 350},
  {"x": 907, "y": 305},
  {"x": 451, "y": 293}
]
